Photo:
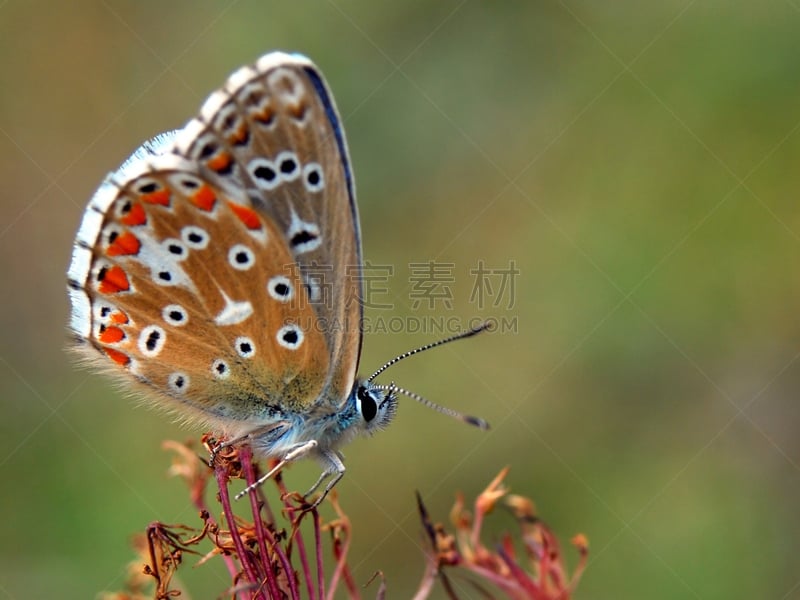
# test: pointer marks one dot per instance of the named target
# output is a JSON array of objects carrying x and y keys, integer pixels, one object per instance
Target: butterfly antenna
[
  {"x": 459, "y": 336},
  {"x": 468, "y": 419}
]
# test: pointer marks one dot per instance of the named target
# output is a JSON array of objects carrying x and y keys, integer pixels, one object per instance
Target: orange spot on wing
[
  {"x": 204, "y": 198},
  {"x": 265, "y": 116},
  {"x": 246, "y": 215},
  {"x": 111, "y": 335},
  {"x": 240, "y": 136},
  {"x": 124, "y": 243},
  {"x": 298, "y": 111},
  {"x": 220, "y": 163},
  {"x": 115, "y": 280},
  {"x": 118, "y": 357},
  {"x": 158, "y": 197},
  {"x": 135, "y": 216},
  {"x": 119, "y": 317}
]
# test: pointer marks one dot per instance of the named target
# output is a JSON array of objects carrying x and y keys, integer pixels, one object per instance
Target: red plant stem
[
  {"x": 511, "y": 587},
  {"x": 546, "y": 565},
  {"x": 428, "y": 580},
  {"x": 521, "y": 577},
  {"x": 222, "y": 482},
  {"x": 301, "y": 548},
  {"x": 245, "y": 455},
  {"x": 318, "y": 548},
  {"x": 556, "y": 571},
  {"x": 276, "y": 546}
]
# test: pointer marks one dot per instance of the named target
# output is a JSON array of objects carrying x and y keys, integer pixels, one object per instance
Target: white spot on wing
[
  {"x": 288, "y": 165},
  {"x": 195, "y": 237},
  {"x": 286, "y": 85},
  {"x": 290, "y": 336},
  {"x": 264, "y": 173},
  {"x": 303, "y": 236},
  {"x": 175, "y": 315},
  {"x": 313, "y": 177},
  {"x": 280, "y": 288},
  {"x": 178, "y": 382},
  {"x": 220, "y": 369},
  {"x": 164, "y": 266},
  {"x": 234, "y": 312},
  {"x": 241, "y": 258},
  {"x": 244, "y": 347},
  {"x": 151, "y": 340},
  {"x": 175, "y": 248}
]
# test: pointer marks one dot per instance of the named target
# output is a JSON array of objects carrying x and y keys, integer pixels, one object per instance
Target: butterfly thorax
[{"x": 366, "y": 410}]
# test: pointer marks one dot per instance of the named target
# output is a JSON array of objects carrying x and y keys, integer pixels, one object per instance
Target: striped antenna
[
  {"x": 459, "y": 336},
  {"x": 468, "y": 419}
]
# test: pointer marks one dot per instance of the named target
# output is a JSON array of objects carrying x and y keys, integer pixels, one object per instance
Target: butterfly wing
[
  {"x": 274, "y": 132},
  {"x": 196, "y": 271}
]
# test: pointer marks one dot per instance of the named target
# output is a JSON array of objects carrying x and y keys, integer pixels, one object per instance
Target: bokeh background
[{"x": 636, "y": 162}]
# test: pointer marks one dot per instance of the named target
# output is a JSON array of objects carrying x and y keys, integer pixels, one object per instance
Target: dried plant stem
[
  {"x": 340, "y": 549},
  {"x": 319, "y": 567}
]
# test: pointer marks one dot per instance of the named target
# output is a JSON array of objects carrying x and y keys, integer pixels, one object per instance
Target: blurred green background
[{"x": 637, "y": 162}]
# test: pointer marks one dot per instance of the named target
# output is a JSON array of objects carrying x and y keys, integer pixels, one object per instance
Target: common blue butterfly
[{"x": 197, "y": 270}]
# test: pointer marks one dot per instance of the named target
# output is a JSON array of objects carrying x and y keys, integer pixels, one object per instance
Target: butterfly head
[{"x": 375, "y": 404}]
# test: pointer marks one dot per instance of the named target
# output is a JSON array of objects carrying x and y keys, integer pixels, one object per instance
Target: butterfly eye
[{"x": 368, "y": 407}]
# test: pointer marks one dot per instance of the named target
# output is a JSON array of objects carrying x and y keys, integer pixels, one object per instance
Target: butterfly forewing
[
  {"x": 274, "y": 133},
  {"x": 190, "y": 294}
]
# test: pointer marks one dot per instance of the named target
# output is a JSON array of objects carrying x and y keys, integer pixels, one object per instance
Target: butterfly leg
[
  {"x": 297, "y": 451},
  {"x": 334, "y": 466}
]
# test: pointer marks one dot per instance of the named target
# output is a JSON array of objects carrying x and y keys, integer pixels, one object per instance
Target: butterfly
[{"x": 219, "y": 270}]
